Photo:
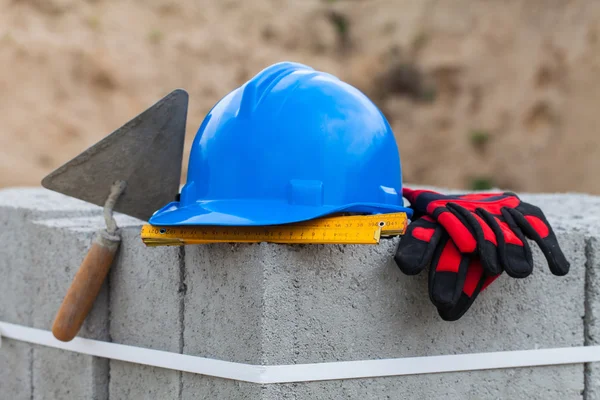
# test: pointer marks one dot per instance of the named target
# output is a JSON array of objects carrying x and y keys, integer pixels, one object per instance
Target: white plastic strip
[
  {"x": 307, "y": 372},
  {"x": 138, "y": 355}
]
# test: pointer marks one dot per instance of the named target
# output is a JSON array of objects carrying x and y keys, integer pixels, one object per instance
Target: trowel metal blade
[{"x": 146, "y": 152}]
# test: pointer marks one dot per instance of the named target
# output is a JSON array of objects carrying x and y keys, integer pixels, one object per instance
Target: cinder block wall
[{"x": 280, "y": 304}]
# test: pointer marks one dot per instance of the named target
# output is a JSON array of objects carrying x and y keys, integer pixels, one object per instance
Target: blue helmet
[{"x": 291, "y": 144}]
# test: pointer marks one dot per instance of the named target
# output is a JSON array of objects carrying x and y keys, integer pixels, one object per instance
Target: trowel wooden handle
[{"x": 85, "y": 287}]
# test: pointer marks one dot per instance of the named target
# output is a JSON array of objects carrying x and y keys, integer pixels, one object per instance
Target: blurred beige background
[{"x": 479, "y": 92}]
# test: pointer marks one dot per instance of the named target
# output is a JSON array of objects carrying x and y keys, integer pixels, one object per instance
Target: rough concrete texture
[
  {"x": 54, "y": 260},
  {"x": 146, "y": 301},
  {"x": 16, "y": 279},
  {"x": 45, "y": 237},
  {"x": 28, "y": 279},
  {"x": 202, "y": 387},
  {"x": 592, "y": 323},
  {"x": 357, "y": 305},
  {"x": 329, "y": 303},
  {"x": 39, "y": 201},
  {"x": 223, "y": 313},
  {"x": 275, "y": 304},
  {"x": 15, "y": 370},
  {"x": 524, "y": 383},
  {"x": 223, "y": 302}
]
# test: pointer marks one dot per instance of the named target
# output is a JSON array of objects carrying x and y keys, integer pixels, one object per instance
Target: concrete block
[
  {"x": 17, "y": 290},
  {"x": 146, "y": 298},
  {"x": 301, "y": 304},
  {"x": 202, "y": 387},
  {"x": 543, "y": 383},
  {"x": 15, "y": 370},
  {"x": 39, "y": 201},
  {"x": 355, "y": 300},
  {"x": 224, "y": 301},
  {"x": 592, "y": 370},
  {"x": 45, "y": 236},
  {"x": 55, "y": 258},
  {"x": 352, "y": 303},
  {"x": 280, "y": 304},
  {"x": 18, "y": 277},
  {"x": 223, "y": 314},
  {"x": 59, "y": 374}
]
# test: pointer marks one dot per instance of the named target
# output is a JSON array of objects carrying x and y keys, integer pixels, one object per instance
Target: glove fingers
[
  {"x": 517, "y": 257},
  {"x": 447, "y": 274},
  {"x": 475, "y": 283},
  {"x": 533, "y": 222},
  {"x": 478, "y": 230},
  {"x": 417, "y": 245},
  {"x": 514, "y": 252},
  {"x": 457, "y": 228}
]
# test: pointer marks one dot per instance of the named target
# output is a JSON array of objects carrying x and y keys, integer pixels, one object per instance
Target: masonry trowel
[{"x": 135, "y": 171}]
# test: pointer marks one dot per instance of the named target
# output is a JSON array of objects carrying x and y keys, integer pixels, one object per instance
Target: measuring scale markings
[{"x": 332, "y": 230}]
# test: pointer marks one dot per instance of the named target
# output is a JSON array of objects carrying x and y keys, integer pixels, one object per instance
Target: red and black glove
[
  {"x": 494, "y": 227},
  {"x": 455, "y": 278}
]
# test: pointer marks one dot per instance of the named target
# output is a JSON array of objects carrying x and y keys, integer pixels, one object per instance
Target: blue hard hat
[{"x": 291, "y": 144}]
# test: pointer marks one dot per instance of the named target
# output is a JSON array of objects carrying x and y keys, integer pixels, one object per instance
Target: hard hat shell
[{"x": 291, "y": 144}]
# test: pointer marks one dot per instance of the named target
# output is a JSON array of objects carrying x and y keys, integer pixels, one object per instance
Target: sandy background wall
[{"x": 479, "y": 93}]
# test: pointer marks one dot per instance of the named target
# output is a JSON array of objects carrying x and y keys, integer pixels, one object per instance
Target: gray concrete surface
[
  {"x": 16, "y": 282},
  {"x": 272, "y": 304},
  {"x": 592, "y": 321},
  {"x": 223, "y": 314},
  {"x": 38, "y": 261},
  {"x": 146, "y": 299},
  {"x": 355, "y": 304}
]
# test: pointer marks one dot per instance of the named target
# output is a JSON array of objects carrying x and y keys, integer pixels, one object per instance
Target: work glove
[
  {"x": 493, "y": 227},
  {"x": 455, "y": 279}
]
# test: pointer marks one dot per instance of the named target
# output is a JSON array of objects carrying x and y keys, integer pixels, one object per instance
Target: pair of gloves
[{"x": 469, "y": 240}]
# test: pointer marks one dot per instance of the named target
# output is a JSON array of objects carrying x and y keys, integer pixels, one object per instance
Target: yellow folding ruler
[{"x": 353, "y": 229}]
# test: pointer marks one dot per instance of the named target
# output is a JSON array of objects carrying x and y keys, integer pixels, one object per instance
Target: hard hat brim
[{"x": 258, "y": 212}]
